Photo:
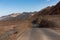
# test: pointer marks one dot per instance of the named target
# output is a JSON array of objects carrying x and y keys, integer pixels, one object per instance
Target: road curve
[{"x": 39, "y": 34}]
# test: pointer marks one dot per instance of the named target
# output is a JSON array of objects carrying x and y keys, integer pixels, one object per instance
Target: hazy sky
[{"x": 14, "y": 6}]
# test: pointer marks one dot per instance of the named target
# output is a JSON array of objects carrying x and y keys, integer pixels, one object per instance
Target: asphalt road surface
[{"x": 39, "y": 34}]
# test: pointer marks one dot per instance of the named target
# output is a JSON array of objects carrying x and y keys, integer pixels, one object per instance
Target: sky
[{"x": 18, "y": 6}]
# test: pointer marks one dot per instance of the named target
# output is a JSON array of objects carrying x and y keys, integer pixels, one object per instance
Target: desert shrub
[
  {"x": 46, "y": 24},
  {"x": 43, "y": 24}
]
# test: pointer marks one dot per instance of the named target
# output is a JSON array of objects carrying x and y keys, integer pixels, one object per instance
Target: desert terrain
[{"x": 41, "y": 25}]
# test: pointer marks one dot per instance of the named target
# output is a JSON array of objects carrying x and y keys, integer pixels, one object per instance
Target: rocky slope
[
  {"x": 11, "y": 26},
  {"x": 51, "y": 10}
]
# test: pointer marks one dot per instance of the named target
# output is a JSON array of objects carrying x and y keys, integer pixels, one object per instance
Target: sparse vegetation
[{"x": 46, "y": 18}]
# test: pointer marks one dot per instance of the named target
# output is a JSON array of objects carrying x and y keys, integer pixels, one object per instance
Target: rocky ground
[{"x": 14, "y": 25}]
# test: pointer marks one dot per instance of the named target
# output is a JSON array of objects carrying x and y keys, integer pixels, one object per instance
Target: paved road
[{"x": 39, "y": 34}]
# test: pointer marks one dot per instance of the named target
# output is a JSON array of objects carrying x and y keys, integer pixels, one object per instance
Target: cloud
[{"x": 48, "y": 0}]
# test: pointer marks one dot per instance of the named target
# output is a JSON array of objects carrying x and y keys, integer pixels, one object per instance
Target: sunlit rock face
[{"x": 15, "y": 14}]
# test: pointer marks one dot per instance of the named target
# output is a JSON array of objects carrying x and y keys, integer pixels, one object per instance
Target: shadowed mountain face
[
  {"x": 51, "y": 10},
  {"x": 15, "y": 24}
]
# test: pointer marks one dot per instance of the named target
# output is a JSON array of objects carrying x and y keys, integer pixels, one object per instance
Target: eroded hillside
[{"x": 12, "y": 26}]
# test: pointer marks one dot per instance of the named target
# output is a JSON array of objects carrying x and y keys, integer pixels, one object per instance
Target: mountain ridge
[{"x": 48, "y": 17}]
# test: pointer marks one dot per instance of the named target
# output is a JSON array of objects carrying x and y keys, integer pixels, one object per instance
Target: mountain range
[{"x": 16, "y": 23}]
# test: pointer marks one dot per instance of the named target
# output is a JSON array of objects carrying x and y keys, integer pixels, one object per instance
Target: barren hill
[
  {"x": 11, "y": 26},
  {"x": 51, "y": 10}
]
